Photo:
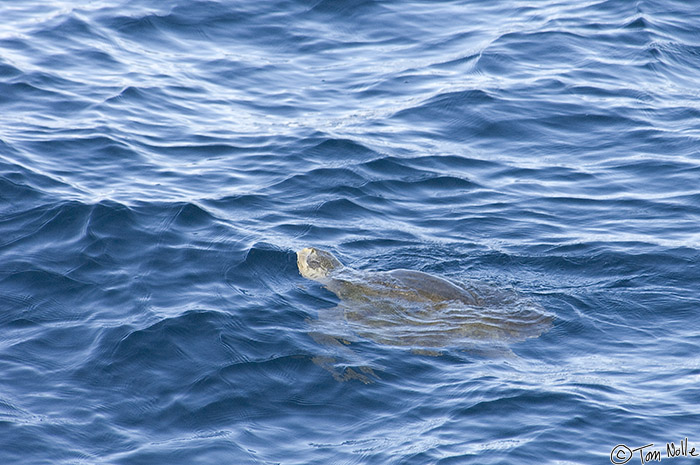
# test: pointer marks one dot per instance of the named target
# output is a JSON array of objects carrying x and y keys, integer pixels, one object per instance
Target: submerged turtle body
[{"x": 416, "y": 309}]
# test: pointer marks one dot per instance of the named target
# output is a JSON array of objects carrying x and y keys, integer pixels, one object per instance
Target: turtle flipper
[
  {"x": 339, "y": 346},
  {"x": 329, "y": 364}
]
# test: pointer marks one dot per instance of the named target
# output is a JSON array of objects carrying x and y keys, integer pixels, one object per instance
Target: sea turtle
[{"x": 414, "y": 309}]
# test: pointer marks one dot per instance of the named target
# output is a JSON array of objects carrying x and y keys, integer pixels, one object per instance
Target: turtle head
[{"x": 316, "y": 264}]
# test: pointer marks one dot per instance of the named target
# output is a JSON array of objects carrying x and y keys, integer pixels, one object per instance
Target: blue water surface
[{"x": 162, "y": 162}]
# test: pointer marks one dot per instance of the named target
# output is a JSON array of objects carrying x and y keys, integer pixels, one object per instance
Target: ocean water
[{"x": 162, "y": 162}]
